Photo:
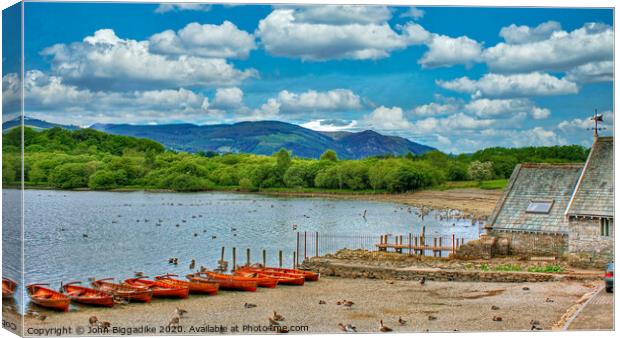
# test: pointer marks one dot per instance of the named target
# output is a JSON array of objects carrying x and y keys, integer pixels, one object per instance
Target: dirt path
[
  {"x": 459, "y": 306},
  {"x": 477, "y": 202}
]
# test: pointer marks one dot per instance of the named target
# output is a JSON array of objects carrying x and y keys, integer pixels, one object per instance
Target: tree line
[{"x": 96, "y": 160}]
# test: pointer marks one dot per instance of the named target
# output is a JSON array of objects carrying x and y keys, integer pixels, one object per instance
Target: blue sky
[{"x": 456, "y": 78}]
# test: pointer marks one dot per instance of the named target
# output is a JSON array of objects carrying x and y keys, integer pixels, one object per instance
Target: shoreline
[{"x": 472, "y": 202}]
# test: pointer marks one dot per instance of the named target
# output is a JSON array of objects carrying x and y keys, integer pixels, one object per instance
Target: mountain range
[{"x": 260, "y": 137}]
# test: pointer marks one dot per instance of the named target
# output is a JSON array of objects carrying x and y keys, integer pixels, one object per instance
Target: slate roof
[
  {"x": 594, "y": 194},
  {"x": 536, "y": 182}
]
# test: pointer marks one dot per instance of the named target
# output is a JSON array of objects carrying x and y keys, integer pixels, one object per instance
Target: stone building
[
  {"x": 590, "y": 211},
  {"x": 561, "y": 210}
]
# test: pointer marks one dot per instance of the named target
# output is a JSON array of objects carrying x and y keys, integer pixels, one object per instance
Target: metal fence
[{"x": 312, "y": 244}]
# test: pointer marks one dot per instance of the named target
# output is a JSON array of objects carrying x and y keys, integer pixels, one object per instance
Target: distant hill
[
  {"x": 265, "y": 138},
  {"x": 35, "y": 124}
]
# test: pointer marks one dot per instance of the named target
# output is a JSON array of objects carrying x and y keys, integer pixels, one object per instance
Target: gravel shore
[{"x": 462, "y": 306}]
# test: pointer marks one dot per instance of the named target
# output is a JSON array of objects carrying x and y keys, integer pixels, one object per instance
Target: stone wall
[
  {"x": 586, "y": 245},
  {"x": 530, "y": 244},
  {"x": 329, "y": 267}
]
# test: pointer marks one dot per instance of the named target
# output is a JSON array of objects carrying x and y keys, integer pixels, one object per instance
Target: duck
[
  {"x": 347, "y": 328},
  {"x": 347, "y": 303},
  {"x": 192, "y": 264},
  {"x": 273, "y": 321},
  {"x": 422, "y": 280},
  {"x": 105, "y": 324},
  {"x": 322, "y": 302},
  {"x": 174, "y": 321},
  {"x": 494, "y": 307},
  {"x": 180, "y": 312},
  {"x": 384, "y": 328},
  {"x": 431, "y": 317},
  {"x": 138, "y": 274},
  {"x": 249, "y": 305},
  {"x": 278, "y": 317},
  {"x": 497, "y": 319},
  {"x": 401, "y": 321}
]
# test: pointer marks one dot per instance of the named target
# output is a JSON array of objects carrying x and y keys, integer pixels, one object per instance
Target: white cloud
[
  {"x": 561, "y": 51},
  {"x": 49, "y": 98},
  {"x": 592, "y": 72},
  {"x": 105, "y": 60},
  {"x": 514, "y": 34},
  {"x": 436, "y": 109},
  {"x": 11, "y": 93},
  {"x": 228, "y": 98},
  {"x": 505, "y": 107},
  {"x": 165, "y": 8},
  {"x": 313, "y": 101},
  {"x": 515, "y": 85},
  {"x": 447, "y": 51},
  {"x": 384, "y": 118},
  {"x": 342, "y": 14},
  {"x": 329, "y": 125},
  {"x": 581, "y": 125},
  {"x": 212, "y": 41},
  {"x": 414, "y": 13},
  {"x": 537, "y": 136},
  {"x": 282, "y": 34},
  {"x": 270, "y": 110}
]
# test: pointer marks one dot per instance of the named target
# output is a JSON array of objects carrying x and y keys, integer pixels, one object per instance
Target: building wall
[
  {"x": 533, "y": 244},
  {"x": 586, "y": 245}
]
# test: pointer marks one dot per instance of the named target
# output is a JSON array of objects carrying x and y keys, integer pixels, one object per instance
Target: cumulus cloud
[
  {"x": 212, "y": 41},
  {"x": 384, "y": 118},
  {"x": 329, "y": 125},
  {"x": 514, "y": 85},
  {"x": 282, "y": 33},
  {"x": 505, "y": 107},
  {"x": 414, "y": 13},
  {"x": 514, "y": 34},
  {"x": 313, "y": 101},
  {"x": 165, "y": 8},
  {"x": 580, "y": 125},
  {"x": 446, "y": 51},
  {"x": 435, "y": 109},
  {"x": 560, "y": 51},
  {"x": 228, "y": 98},
  {"x": 48, "y": 97},
  {"x": 105, "y": 60},
  {"x": 592, "y": 72},
  {"x": 537, "y": 136},
  {"x": 11, "y": 93},
  {"x": 343, "y": 14}
]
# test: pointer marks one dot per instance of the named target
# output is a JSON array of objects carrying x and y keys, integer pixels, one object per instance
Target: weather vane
[{"x": 597, "y": 118}]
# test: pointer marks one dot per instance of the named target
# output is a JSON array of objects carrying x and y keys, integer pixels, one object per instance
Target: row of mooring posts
[
  {"x": 417, "y": 244},
  {"x": 248, "y": 257}
]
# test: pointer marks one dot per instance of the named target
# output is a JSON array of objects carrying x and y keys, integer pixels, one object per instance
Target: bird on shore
[
  {"x": 180, "y": 312},
  {"x": 322, "y": 302},
  {"x": 105, "y": 324},
  {"x": 497, "y": 319},
  {"x": 431, "y": 317},
  {"x": 273, "y": 322},
  {"x": 494, "y": 307},
  {"x": 174, "y": 321},
  {"x": 249, "y": 305},
  {"x": 401, "y": 321},
  {"x": 347, "y": 328},
  {"x": 534, "y": 322},
  {"x": 422, "y": 280},
  {"x": 92, "y": 320},
  {"x": 277, "y": 317},
  {"x": 525, "y": 288},
  {"x": 549, "y": 300},
  {"x": 42, "y": 317},
  {"x": 383, "y": 328},
  {"x": 347, "y": 303}
]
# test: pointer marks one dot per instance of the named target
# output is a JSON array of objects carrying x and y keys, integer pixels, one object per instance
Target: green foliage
[
  {"x": 480, "y": 171},
  {"x": 87, "y": 158},
  {"x": 548, "y": 268},
  {"x": 507, "y": 267}
]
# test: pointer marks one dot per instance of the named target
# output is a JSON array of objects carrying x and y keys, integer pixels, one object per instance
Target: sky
[{"x": 455, "y": 78}]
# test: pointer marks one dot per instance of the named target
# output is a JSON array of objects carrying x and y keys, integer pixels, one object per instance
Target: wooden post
[
  {"x": 264, "y": 257},
  {"x": 410, "y": 235},
  {"x": 297, "y": 248},
  {"x": 440, "y": 247},
  {"x": 280, "y": 258},
  {"x": 305, "y": 245},
  {"x": 462, "y": 240},
  {"x": 416, "y": 244},
  {"x": 457, "y": 242},
  {"x": 435, "y": 247},
  {"x": 234, "y": 258},
  {"x": 316, "y": 242},
  {"x": 222, "y": 255},
  {"x": 453, "y": 247},
  {"x": 294, "y": 260},
  {"x": 247, "y": 257}
]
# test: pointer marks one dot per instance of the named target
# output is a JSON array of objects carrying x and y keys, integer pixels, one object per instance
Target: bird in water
[
  {"x": 192, "y": 264},
  {"x": 383, "y": 328}
]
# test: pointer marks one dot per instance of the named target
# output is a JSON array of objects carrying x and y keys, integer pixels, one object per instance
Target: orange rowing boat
[
  {"x": 261, "y": 280},
  {"x": 204, "y": 287},
  {"x": 84, "y": 295},
  {"x": 226, "y": 282},
  {"x": 48, "y": 298},
  {"x": 8, "y": 287},
  {"x": 128, "y": 292},
  {"x": 159, "y": 288},
  {"x": 282, "y": 277},
  {"x": 309, "y": 276}
]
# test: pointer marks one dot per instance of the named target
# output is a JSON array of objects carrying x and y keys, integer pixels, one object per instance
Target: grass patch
[
  {"x": 549, "y": 268},
  {"x": 494, "y": 184},
  {"x": 487, "y": 185},
  {"x": 507, "y": 267}
]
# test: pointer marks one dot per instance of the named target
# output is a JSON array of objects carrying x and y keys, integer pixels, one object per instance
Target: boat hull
[
  {"x": 199, "y": 288},
  {"x": 282, "y": 277},
  {"x": 126, "y": 292},
  {"x": 88, "y": 296},
  {"x": 228, "y": 283},
  {"x": 48, "y": 298},
  {"x": 160, "y": 289},
  {"x": 8, "y": 287}
]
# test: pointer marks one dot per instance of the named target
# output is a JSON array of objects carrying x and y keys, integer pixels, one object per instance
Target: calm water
[{"x": 120, "y": 241}]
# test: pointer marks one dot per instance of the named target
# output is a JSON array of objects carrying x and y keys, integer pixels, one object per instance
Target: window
[
  {"x": 539, "y": 207},
  {"x": 606, "y": 227}
]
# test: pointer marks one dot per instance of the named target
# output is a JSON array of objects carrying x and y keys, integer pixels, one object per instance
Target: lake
[{"x": 73, "y": 235}]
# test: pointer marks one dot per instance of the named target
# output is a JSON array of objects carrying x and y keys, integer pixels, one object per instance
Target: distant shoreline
[{"x": 473, "y": 202}]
